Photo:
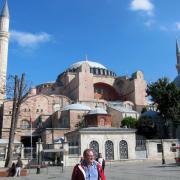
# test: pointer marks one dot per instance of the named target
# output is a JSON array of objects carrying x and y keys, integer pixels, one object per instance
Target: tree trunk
[
  {"x": 18, "y": 91},
  {"x": 20, "y": 98},
  {"x": 12, "y": 129}
]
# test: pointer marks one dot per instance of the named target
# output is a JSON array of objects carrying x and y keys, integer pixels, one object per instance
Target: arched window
[
  {"x": 95, "y": 146},
  {"x": 102, "y": 122},
  {"x": 25, "y": 124},
  {"x": 123, "y": 149},
  {"x": 109, "y": 150}
]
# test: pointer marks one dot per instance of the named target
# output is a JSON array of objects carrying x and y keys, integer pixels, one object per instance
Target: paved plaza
[{"x": 137, "y": 170}]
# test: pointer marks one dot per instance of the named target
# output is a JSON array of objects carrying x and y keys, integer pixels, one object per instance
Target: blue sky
[{"x": 47, "y": 36}]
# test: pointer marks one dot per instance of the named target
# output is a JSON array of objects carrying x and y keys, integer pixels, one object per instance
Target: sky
[{"x": 47, "y": 36}]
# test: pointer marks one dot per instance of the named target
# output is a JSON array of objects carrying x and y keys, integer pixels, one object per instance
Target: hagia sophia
[{"x": 88, "y": 92}]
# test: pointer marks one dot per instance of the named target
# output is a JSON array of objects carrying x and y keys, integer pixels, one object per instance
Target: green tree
[
  {"x": 167, "y": 97},
  {"x": 146, "y": 127},
  {"x": 80, "y": 124},
  {"x": 130, "y": 122}
]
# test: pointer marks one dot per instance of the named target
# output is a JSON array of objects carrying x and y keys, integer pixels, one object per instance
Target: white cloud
[
  {"x": 142, "y": 5},
  {"x": 25, "y": 39}
]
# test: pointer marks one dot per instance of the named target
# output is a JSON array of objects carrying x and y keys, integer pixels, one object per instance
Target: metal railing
[{"x": 74, "y": 150}]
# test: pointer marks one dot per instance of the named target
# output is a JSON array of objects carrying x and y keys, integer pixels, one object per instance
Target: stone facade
[
  {"x": 35, "y": 109},
  {"x": 76, "y": 81},
  {"x": 98, "y": 120},
  {"x": 154, "y": 148},
  {"x": 117, "y": 138}
]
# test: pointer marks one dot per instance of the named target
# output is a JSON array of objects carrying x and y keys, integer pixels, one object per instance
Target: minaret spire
[
  {"x": 4, "y": 42},
  {"x": 177, "y": 46},
  {"x": 177, "y": 56},
  {"x": 86, "y": 57},
  {"x": 5, "y": 10}
]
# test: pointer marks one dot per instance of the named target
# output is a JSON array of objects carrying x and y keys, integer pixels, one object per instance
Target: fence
[
  {"x": 74, "y": 150},
  {"x": 27, "y": 152},
  {"x": 140, "y": 145}
]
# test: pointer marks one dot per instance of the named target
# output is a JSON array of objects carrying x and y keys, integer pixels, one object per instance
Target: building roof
[
  {"x": 97, "y": 111},
  {"x": 76, "y": 106},
  {"x": 108, "y": 129},
  {"x": 150, "y": 113},
  {"x": 92, "y": 64},
  {"x": 123, "y": 109},
  {"x": 102, "y": 130}
]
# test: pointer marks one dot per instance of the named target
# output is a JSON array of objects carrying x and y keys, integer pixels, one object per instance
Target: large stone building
[
  {"x": 102, "y": 85},
  {"x": 79, "y": 92},
  {"x": 86, "y": 91}
]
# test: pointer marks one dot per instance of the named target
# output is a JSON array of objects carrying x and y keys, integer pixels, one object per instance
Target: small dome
[
  {"x": 91, "y": 64},
  {"x": 97, "y": 111},
  {"x": 76, "y": 106},
  {"x": 177, "y": 81},
  {"x": 150, "y": 113},
  {"x": 154, "y": 116}
]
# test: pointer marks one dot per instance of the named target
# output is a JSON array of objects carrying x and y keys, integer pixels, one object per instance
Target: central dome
[{"x": 92, "y": 64}]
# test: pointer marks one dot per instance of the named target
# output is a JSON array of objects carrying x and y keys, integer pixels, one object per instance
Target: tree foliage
[
  {"x": 130, "y": 122},
  {"x": 146, "y": 127},
  {"x": 167, "y": 97},
  {"x": 80, "y": 124}
]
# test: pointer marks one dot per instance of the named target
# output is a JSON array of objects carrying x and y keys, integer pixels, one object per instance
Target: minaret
[
  {"x": 177, "y": 56},
  {"x": 4, "y": 41}
]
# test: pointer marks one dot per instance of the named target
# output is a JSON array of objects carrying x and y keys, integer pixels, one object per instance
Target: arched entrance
[
  {"x": 109, "y": 150},
  {"x": 123, "y": 149},
  {"x": 95, "y": 146}
]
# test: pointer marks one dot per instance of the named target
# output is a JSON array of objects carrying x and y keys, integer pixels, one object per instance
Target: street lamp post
[
  {"x": 62, "y": 160},
  {"x": 38, "y": 160},
  {"x": 163, "y": 158}
]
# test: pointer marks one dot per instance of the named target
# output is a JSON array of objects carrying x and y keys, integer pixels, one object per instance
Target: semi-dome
[
  {"x": 177, "y": 81},
  {"x": 92, "y": 64},
  {"x": 76, "y": 106},
  {"x": 97, "y": 111}
]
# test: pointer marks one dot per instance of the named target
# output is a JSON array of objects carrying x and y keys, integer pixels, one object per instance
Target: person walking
[
  {"x": 88, "y": 169},
  {"x": 101, "y": 161},
  {"x": 19, "y": 165}
]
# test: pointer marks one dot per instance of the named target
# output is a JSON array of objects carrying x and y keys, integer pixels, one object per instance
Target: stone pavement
[{"x": 135, "y": 170}]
